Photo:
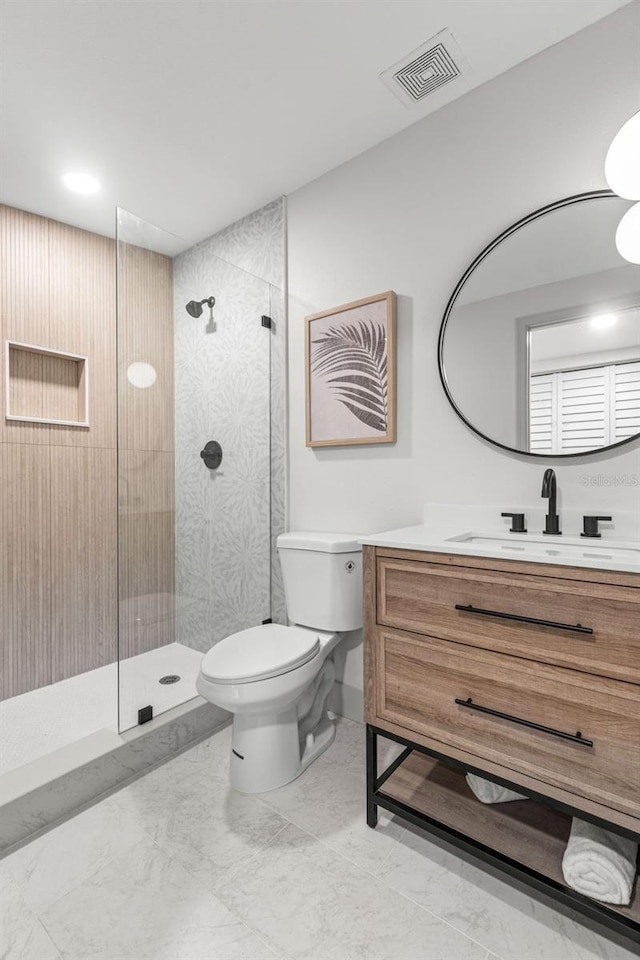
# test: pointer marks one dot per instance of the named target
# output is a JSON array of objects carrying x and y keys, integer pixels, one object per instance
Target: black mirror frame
[{"x": 549, "y": 208}]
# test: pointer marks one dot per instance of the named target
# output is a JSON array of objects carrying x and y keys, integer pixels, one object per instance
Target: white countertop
[{"x": 493, "y": 539}]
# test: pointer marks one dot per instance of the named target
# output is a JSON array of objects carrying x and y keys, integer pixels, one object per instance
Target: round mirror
[{"x": 539, "y": 348}]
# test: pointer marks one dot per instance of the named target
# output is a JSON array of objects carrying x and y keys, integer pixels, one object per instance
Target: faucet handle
[
  {"x": 590, "y": 525},
  {"x": 517, "y": 522}
]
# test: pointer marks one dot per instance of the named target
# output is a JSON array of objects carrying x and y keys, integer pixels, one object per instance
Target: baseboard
[
  {"x": 41, "y": 793},
  {"x": 347, "y": 701}
]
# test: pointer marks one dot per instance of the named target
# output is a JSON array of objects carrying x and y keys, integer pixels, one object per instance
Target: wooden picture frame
[{"x": 350, "y": 373}]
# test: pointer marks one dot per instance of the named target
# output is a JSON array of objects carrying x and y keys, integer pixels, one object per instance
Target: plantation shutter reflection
[
  {"x": 574, "y": 411},
  {"x": 626, "y": 421},
  {"x": 543, "y": 420},
  {"x": 583, "y": 409}
]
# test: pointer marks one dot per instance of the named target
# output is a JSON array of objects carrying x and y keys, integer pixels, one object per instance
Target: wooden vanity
[{"x": 526, "y": 673}]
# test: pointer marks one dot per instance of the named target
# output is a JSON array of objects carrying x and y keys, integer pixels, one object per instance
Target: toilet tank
[{"x": 322, "y": 575}]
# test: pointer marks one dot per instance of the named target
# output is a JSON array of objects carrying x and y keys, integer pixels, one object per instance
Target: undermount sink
[{"x": 571, "y": 547}]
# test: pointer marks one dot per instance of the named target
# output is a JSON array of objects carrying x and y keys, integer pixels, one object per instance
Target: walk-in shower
[
  {"x": 193, "y": 559},
  {"x": 125, "y": 560}
]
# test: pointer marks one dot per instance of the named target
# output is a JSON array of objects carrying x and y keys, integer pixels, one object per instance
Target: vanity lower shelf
[{"x": 524, "y": 838}]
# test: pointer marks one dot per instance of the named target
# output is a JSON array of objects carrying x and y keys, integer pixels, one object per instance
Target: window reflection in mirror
[
  {"x": 530, "y": 353},
  {"x": 584, "y": 382}
]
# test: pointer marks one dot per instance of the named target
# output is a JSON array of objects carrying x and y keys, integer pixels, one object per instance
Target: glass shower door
[{"x": 194, "y": 528}]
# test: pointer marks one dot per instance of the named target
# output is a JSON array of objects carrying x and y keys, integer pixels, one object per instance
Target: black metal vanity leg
[{"x": 372, "y": 776}]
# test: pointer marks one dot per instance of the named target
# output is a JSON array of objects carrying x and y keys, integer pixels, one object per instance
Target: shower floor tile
[{"x": 36, "y": 723}]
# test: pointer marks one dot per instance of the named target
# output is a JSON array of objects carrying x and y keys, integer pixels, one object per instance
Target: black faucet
[{"x": 549, "y": 489}]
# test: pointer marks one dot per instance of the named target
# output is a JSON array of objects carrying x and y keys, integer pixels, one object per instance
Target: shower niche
[{"x": 45, "y": 386}]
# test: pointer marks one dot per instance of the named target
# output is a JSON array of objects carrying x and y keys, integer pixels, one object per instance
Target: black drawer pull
[
  {"x": 574, "y": 627},
  {"x": 573, "y": 737}
]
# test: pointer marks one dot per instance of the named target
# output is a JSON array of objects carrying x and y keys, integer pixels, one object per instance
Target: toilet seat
[{"x": 259, "y": 653}]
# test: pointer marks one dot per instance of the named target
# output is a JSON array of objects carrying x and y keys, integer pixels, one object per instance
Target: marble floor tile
[
  {"x": 349, "y": 748},
  {"x": 64, "y": 857},
  {"x": 504, "y": 918},
  {"x": 312, "y": 903},
  {"x": 196, "y": 817},
  {"x": 329, "y": 802},
  {"x": 145, "y": 906},
  {"x": 176, "y": 866},
  {"x": 22, "y": 936},
  {"x": 151, "y": 800},
  {"x": 210, "y": 839},
  {"x": 209, "y": 758}
]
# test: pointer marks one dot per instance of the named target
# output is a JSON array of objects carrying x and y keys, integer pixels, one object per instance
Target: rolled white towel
[
  {"x": 600, "y": 864},
  {"x": 489, "y": 792}
]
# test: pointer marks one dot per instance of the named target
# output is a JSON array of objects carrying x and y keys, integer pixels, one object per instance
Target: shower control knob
[{"x": 212, "y": 455}]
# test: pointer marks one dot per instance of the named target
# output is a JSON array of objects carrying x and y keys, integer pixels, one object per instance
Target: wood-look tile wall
[
  {"x": 25, "y": 534},
  {"x": 59, "y": 485}
]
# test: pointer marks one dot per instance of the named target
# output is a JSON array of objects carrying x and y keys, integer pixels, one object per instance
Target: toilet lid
[{"x": 259, "y": 653}]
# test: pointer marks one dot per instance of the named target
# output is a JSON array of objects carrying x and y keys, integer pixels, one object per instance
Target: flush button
[{"x": 349, "y": 566}]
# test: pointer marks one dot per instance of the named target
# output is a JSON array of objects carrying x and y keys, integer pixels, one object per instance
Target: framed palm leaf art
[{"x": 350, "y": 373}]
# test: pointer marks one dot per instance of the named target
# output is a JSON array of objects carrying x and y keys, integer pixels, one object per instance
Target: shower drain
[{"x": 170, "y": 678}]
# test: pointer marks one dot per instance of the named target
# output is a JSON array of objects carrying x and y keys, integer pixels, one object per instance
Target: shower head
[{"x": 194, "y": 307}]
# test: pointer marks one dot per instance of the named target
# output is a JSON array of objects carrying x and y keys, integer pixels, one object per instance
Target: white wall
[{"x": 410, "y": 215}]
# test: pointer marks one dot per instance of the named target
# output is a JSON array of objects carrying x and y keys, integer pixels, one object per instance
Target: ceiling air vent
[{"x": 425, "y": 70}]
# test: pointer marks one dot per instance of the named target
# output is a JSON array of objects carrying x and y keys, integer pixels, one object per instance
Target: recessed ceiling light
[
  {"x": 81, "y": 182},
  {"x": 604, "y": 321}
]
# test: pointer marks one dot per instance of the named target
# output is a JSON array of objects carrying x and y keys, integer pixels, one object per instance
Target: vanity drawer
[
  {"x": 434, "y": 688},
  {"x": 425, "y": 598}
]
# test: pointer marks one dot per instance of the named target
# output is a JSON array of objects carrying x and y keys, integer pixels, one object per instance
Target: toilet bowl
[{"x": 276, "y": 679}]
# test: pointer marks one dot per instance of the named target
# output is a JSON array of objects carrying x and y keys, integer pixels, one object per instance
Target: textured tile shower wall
[{"x": 230, "y": 388}]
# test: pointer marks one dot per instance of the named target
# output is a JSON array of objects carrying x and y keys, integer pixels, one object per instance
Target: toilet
[{"x": 276, "y": 680}]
